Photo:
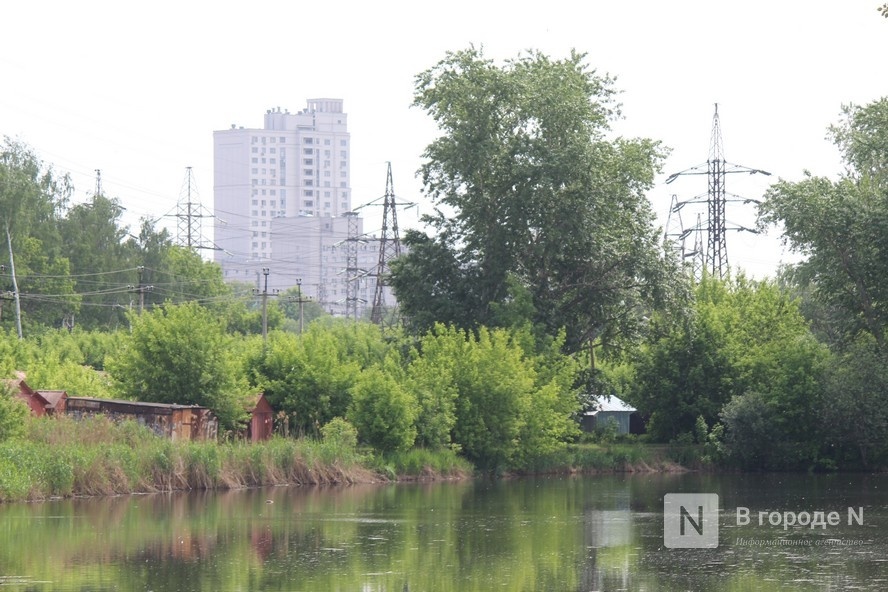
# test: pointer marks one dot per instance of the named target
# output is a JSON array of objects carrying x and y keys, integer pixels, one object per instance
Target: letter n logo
[{"x": 690, "y": 520}]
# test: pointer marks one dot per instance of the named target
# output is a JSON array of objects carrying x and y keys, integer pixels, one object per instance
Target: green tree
[
  {"x": 102, "y": 261},
  {"x": 13, "y": 413},
  {"x": 741, "y": 337},
  {"x": 841, "y": 227},
  {"x": 310, "y": 376},
  {"x": 382, "y": 410},
  {"x": 855, "y": 405},
  {"x": 32, "y": 199},
  {"x": 430, "y": 376},
  {"x": 181, "y": 354},
  {"x": 531, "y": 190}
]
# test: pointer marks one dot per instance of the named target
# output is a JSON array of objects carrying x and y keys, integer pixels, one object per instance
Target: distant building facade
[{"x": 280, "y": 196}]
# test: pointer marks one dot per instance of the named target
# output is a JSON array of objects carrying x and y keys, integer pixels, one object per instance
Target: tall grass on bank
[
  {"x": 422, "y": 463},
  {"x": 605, "y": 458},
  {"x": 95, "y": 456}
]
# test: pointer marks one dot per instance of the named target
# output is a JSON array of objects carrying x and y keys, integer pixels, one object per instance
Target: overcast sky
[{"x": 136, "y": 90}]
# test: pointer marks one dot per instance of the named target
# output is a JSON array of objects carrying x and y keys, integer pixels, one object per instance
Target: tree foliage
[
  {"x": 382, "y": 410},
  {"x": 741, "y": 337},
  {"x": 13, "y": 413},
  {"x": 180, "y": 354},
  {"x": 841, "y": 227},
  {"x": 530, "y": 189}
]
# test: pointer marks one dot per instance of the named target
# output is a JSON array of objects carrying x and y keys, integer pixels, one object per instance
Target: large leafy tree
[
  {"x": 742, "y": 337},
  {"x": 532, "y": 194},
  {"x": 181, "y": 354},
  {"x": 32, "y": 200},
  {"x": 102, "y": 261},
  {"x": 841, "y": 227}
]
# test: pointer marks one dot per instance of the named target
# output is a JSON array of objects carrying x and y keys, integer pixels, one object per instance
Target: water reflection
[{"x": 581, "y": 533}]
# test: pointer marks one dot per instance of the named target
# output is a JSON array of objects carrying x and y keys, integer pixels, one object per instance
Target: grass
[
  {"x": 605, "y": 457},
  {"x": 60, "y": 457}
]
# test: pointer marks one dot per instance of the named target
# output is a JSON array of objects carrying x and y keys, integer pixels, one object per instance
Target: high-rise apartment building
[{"x": 279, "y": 195}]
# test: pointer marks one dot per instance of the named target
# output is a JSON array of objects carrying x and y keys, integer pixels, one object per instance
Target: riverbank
[
  {"x": 93, "y": 457},
  {"x": 96, "y": 457}
]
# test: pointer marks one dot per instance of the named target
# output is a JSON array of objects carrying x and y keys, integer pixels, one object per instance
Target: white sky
[{"x": 136, "y": 89}]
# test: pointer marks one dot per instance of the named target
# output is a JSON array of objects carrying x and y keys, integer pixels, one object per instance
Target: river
[{"x": 559, "y": 534}]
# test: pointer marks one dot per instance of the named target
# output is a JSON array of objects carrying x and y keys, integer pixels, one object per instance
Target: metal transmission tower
[
  {"x": 189, "y": 213},
  {"x": 389, "y": 247},
  {"x": 676, "y": 237},
  {"x": 98, "y": 190},
  {"x": 352, "y": 271},
  {"x": 716, "y": 169}
]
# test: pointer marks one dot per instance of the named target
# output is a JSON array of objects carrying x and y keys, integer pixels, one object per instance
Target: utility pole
[
  {"x": 716, "y": 169},
  {"x": 264, "y": 295},
  {"x": 301, "y": 302},
  {"x": 15, "y": 290}
]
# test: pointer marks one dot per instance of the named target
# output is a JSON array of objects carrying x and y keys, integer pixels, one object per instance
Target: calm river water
[{"x": 558, "y": 534}]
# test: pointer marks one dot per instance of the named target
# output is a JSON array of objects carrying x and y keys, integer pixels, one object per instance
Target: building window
[
  {"x": 326, "y": 173},
  {"x": 307, "y": 151},
  {"x": 326, "y": 205},
  {"x": 255, "y": 212},
  {"x": 326, "y": 141},
  {"x": 282, "y": 139},
  {"x": 255, "y": 160},
  {"x": 263, "y": 139},
  {"x": 326, "y": 183},
  {"x": 272, "y": 203},
  {"x": 309, "y": 140},
  {"x": 255, "y": 223},
  {"x": 341, "y": 184},
  {"x": 308, "y": 161},
  {"x": 255, "y": 202},
  {"x": 264, "y": 213},
  {"x": 272, "y": 150},
  {"x": 255, "y": 244},
  {"x": 255, "y": 171},
  {"x": 308, "y": 203},
  {"x": 263, "y": 192},
  {"x": 255, "y": 150},
  {"x": 308, "y": 183},
  {"x": 264, "y": 223},
  {"x": 342, "y": 154},
  {"x": 326, "y": 194},
  {"x": 255, "y": 182},
  {"x": 343, "y": 173},
  {"x": 272, "y": 160},
  {"x": 308, "y": 172},
  {"x": 308, "y": 193}
]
